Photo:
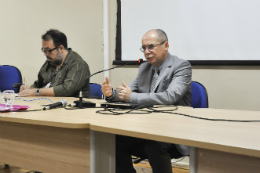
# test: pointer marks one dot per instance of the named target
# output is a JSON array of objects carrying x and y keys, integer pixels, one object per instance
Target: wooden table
[
  {"x": 56, "y": 140},
  {"x": 80, "y": 141}
]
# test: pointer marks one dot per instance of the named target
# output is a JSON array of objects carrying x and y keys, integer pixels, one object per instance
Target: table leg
[
  {"x": 193, "y": 160},
  {"x": 102, "y": 152}
]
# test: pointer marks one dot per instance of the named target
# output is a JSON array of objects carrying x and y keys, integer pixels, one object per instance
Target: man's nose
[{"x": 146, "y": 51}]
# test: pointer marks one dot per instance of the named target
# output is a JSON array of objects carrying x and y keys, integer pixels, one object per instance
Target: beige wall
[
  {"x": 229, "y": 87},
  {"x": 24, "y": 21}
]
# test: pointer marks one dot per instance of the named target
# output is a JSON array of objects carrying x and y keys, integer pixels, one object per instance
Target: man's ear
[
  {"x": 61, "y": 48},
  {"x": 166, "y": 45}
]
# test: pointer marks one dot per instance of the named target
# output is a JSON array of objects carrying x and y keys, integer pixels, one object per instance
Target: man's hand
[
  {"x": 27, "y": 92},
  {"x": 107, "y": 88},
  {"x": 124, "y": 92},
  {"x": 23, "y": 87}
]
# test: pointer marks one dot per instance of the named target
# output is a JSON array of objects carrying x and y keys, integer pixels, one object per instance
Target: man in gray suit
[{"x": 163, "y": 80}]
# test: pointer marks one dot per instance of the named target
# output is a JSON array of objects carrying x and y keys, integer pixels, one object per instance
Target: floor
[
  {"x": 142, "y": 167},
  {"x": 14, "y": 170}
]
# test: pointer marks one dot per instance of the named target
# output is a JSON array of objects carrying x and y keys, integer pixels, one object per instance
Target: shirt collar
[
  {"x": 164, "y": 64},
  {"x": 67, "y": 59}
]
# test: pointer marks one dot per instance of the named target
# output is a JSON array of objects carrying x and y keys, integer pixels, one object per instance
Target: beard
[{"x": 56, "y": 61}]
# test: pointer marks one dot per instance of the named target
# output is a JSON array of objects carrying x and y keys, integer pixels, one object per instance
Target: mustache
[{"x": 49, "y": 58}]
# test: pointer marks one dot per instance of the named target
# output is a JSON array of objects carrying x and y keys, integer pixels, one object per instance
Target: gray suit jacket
[{"x": 172, "y": 87}]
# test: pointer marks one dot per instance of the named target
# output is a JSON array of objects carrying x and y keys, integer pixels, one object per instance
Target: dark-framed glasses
[
  {"x": 150, "y": 47},
  {"x": 48, "y": 51}
]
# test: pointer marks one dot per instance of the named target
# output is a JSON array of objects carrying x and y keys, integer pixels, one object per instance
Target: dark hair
[
  {"x": 58, "y": 38},
  {"x": 162, "y": 37}
]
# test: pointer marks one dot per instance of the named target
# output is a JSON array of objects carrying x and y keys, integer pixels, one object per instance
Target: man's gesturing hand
[
  {"x": 124, "y": 92},
  {"x": 107, "y": 88}
]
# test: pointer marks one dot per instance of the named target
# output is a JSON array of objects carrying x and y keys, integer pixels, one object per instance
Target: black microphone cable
[
  {"x": 76, "y": 108},
  {"x": 27, "y": 110},
  {"x": 118, "y": 111},
  {"x": 196, "y": 117},
  {"x": 154, "y": 109}
]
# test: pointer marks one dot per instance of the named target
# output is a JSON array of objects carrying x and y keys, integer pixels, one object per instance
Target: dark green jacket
[{"x": 69, "y": 79}]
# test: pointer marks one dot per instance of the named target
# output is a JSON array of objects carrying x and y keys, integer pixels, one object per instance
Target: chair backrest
[
  {"x": 8, "y": 76},
  {"x": 95, "y": 90},
  {"x": 199, "y": 97}
]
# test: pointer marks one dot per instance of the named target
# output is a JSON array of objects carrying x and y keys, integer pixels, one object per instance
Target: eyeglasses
[
  {"x": 48, "y": 51},
  {"x": 150, "y": 47}
]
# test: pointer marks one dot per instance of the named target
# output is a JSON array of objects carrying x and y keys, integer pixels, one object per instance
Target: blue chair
[
  {"x": 8, "y": 76},
  {"x": 95, "y": 90},
  {"x": 199, "y": 97}
]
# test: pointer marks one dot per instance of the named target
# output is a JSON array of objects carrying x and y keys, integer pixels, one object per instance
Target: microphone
[
  {"x": 139, "y": 61},
  {"x": 61, "y": 103}
]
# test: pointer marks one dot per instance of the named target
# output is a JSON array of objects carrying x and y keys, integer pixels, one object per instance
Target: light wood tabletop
[{"x": 234, "y": 137}]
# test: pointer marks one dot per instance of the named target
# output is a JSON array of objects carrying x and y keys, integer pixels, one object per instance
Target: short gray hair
[{"x": 162, "y": 37}]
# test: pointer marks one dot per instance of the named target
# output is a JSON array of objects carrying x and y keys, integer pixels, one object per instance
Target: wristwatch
[{"x": 37, "y": 91}]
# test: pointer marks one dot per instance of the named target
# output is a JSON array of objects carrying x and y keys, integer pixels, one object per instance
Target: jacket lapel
[
  {"x": 161, "y": 76},
  {"x": 165, "y": 69}
]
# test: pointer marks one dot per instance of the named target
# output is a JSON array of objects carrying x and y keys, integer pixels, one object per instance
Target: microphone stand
[{"x": 93, "y": 104}]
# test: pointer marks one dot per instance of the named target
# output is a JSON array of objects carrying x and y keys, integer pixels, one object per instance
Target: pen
[{"x": 24, "y": 82}]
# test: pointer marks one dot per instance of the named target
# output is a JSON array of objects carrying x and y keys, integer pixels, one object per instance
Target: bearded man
[{"x": 63, "y": 74}]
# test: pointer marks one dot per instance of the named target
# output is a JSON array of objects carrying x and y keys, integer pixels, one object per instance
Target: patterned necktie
[{"x": 155, "y": 77}]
